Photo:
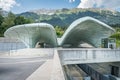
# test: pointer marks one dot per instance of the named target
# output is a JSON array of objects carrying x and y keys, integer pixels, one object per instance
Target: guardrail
[{"x": 77, "y": 56}]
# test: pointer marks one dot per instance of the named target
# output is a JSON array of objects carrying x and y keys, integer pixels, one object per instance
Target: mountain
[
  {"x": 3, "y": 13},
  {"x": 44, "y": 11},
  {"x": 64, "y": 17}
]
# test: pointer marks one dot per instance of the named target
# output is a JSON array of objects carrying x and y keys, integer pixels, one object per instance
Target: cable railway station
[{"x": 84, "y": 52}]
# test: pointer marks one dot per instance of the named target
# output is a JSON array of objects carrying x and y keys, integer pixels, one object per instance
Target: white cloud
[
  {"x": 71, "y": 1},
  {"x": 112, "y": 4},
  {"x": 7, "y": 4}
]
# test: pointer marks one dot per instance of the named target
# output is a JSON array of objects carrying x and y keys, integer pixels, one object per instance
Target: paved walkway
[
  {"x": 43, "y": 72},
  {"x": 50, "y": 70},
  {"x": 18, "y": 68}
]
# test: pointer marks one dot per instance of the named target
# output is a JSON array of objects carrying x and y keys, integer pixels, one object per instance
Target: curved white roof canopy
[
  {"x": 87, "y": 30},
  {"x": 30, "y": 34}
]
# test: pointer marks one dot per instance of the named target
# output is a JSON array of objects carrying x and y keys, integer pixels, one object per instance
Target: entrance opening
[
  {"x": 115, "y": 71},
  {"x": 43, "y": 45},
  {"x": 40, "y": 45}
]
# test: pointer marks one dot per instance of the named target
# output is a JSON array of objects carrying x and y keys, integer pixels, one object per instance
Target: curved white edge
[
  {"x": 6, "y": 33},
  {"x": 79, "y": 21},
  {"x": 12, "y": 32},
  {"x": 72, "y": 26}
]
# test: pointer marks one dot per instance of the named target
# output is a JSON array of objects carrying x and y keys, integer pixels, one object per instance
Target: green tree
[
  {"x": 1, "y": 19},
  {"x": 21, "y": 20},
  {"x": 116, "y": 36},
  {"x": 59, "y": 31},
  {"x": 1, "y": 28},
  {"x": 8, "y": 21}
]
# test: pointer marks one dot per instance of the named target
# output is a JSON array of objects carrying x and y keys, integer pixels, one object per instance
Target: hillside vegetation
[
  {"x": 9, "y": 20},
  {"x": 60, "y": 19},
  {"x": 64, "y": 17}
]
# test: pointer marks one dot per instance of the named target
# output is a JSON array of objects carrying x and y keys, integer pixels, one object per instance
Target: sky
[{"x": 19, "y": 6}]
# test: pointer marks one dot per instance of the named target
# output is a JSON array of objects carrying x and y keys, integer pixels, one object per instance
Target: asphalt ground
[{"x": 19, "y": 68}]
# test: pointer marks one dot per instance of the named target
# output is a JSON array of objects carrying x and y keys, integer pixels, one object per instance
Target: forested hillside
[
  {"x": 64, "y": 17},
  {"x": 60, "y": 19},
  {"x": 9, "y": 19}
]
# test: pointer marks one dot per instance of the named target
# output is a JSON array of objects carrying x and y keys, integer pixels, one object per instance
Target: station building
[{"x": 86, "y": 30}]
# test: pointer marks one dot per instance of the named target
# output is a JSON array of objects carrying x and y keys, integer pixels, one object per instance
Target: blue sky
[
  {"x": 19, "y": 6},
  {"x": 26, "y": 5}
]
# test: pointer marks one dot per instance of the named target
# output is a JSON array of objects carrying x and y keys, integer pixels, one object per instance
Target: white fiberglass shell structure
[
  {"x": 86, "y": 29},
  {"x": 30, "y": 34}
]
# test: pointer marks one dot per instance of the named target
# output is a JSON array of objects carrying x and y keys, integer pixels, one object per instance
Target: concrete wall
[
  {"x": 7, "y": 44},
  {"x": 43, "y": 52},
  {"x": 76, "y": 56}
]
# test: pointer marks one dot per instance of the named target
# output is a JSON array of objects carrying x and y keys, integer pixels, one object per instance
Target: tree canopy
[{"x": 11, "y": 20}]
